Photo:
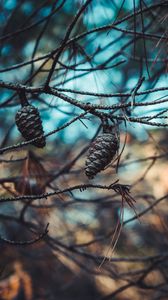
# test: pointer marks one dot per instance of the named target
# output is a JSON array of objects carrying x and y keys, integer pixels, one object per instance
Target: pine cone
[
  {"x": 101, "y": 153},
  {"x": 29, "y": 124}
]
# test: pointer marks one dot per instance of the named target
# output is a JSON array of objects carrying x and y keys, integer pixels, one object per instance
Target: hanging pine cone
[
  {"x": 29, "y": 124},
  {"x": 101, "y": 153}
]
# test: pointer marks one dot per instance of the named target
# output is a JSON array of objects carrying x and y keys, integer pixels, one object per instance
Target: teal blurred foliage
[{"x": 17, "y": 49}]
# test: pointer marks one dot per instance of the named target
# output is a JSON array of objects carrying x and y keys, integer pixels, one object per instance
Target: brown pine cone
[
  {"x": 29, "y": 124},
  {"x": 101, "y": 152}
]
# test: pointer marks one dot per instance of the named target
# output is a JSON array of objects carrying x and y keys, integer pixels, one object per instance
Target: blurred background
[{"x": 99, "y": 245}]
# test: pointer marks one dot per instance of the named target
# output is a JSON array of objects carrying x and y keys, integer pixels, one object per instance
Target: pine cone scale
[
  {"x": 101, "y": 153},
  {"x": 29, "y": 124}
]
